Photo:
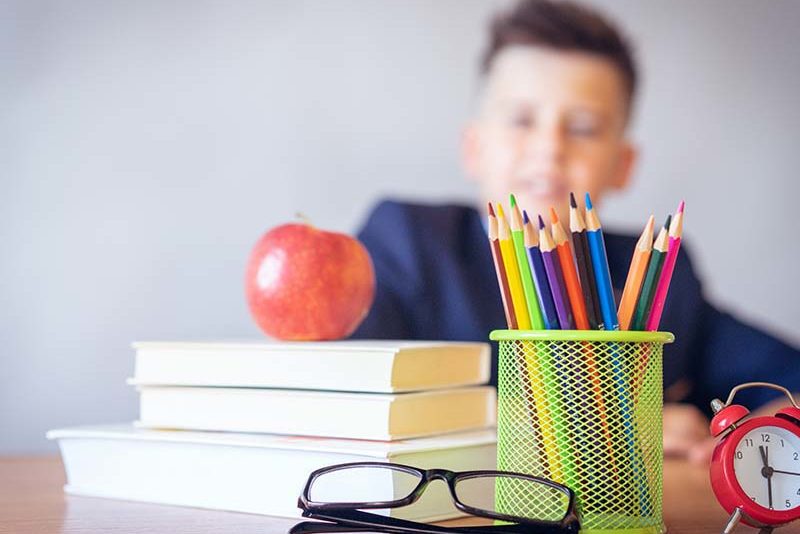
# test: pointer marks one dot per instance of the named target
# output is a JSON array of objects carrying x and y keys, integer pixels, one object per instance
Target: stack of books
[{"x": 239, "y": 426}]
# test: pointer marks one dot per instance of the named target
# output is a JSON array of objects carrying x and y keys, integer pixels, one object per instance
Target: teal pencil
[{"x": 651, "y": 278}]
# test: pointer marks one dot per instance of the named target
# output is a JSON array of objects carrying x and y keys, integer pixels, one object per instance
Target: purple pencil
[
  {"x": 543, "y": 293},
  {"x": 556, "y": 278}
]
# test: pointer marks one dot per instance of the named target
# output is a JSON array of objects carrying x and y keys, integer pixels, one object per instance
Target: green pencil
[
  {"x": 651, "y": 278},
  {"x": 518, "y": 236}
]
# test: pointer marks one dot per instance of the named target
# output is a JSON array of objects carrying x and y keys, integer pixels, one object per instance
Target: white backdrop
[{"x": 146, "y": 145}]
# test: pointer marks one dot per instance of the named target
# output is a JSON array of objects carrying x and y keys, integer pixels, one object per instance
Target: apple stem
[{"x": 303, "y": 218}]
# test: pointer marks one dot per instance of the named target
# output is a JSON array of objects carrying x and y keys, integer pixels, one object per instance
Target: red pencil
[{"x": 570, "y": 274}]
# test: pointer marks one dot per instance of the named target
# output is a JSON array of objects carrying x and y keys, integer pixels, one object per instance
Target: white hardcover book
[
  {"x": 372, "y": 366},
  {"x": 377, "y": 416},
  {"x": 254, "y": 473}
]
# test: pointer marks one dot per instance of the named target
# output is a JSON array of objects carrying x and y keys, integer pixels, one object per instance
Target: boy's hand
[{"x": 686, "y": 434}]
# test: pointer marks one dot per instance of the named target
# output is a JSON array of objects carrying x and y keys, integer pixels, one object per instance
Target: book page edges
[{"x": 273, "y": 441}]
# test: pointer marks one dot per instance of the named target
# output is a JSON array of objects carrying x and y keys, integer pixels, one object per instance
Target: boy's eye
[
  {"x": 584, "y": 126},
  {"x": 522, "y": 120}
]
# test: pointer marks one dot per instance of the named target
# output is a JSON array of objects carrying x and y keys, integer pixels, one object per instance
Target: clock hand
[
  {"x": 785, "y": 472},
  {"x": 766, "y": 472},
  {"x": 769, "y": 491},
  {"x": 769, "y": 475}
]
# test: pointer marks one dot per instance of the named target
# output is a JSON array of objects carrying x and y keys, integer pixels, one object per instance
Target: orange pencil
[
  {"x": 502, "y": 278},
  {"x": 633, "y": 285},
  {"x": 570, "y": 274},
  {"x": 578, "y": 304}
]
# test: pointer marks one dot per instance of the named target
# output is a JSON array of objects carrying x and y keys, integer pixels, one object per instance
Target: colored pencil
[
  {"x": 583, "y": 260},
  {"x": 597, "y": 248},
  {"x": 546, "y": 304},
  {"x": 569, "y": 272},
  {"x": 608, "y": 308},
  {"x": 664, "y": 274},
  {"x": 552, "y": 266},
  {"x": 512, "y": 271},
  {"x": 646, "y": 297},
  {"x": 518, "y": 237},
  {"x": 537, "y": 356},
  {"x": 534, "y": 400},
  {"x": 561, "y": 398},
  {"x": 500, "y": 270},
  {"x": 589, "y": 291},
  {"x": 636, "y": 272},
  {"x": 648, "y": 291},
  {"x": 675, "y": 233}
]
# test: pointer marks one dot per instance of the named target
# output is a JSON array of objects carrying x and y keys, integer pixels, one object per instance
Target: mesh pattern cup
[{"x": 584, "y": 408}]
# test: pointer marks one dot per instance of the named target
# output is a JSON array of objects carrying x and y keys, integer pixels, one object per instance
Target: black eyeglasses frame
[{"x": 349, "y": 517}]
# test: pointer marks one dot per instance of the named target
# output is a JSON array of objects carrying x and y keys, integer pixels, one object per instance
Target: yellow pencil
[
  {"x": 512, "y": 271},
  {"x": 633, "y": 285}
]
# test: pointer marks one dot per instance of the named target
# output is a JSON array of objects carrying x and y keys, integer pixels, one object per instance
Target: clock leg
[
  {"x": 765, "y": 530},
  {"x": 733, "y": 521}
]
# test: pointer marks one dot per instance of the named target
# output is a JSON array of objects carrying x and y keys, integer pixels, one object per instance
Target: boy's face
[{"x": 550, "y": 122}]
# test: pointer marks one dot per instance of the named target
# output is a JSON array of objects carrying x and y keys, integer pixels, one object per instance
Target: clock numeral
[
  {"x": 796, "y": 456},
  {"x": 782, "y": 444},
  {"x": 765, "y": 438},
  {"x": 788, "y": 504},
  {"x": 748, "y": 442},
  {"x": 798, "y": 491},
  {"x": 739, "y": 455}
]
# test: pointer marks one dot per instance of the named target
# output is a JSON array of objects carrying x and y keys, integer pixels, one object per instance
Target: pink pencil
[{"x": 675, "y": 233}]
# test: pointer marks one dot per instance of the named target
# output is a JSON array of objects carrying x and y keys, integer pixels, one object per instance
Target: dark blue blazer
[{"x": 436, "y": 280}]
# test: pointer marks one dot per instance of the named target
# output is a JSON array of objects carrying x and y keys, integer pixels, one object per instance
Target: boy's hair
[{"x": 563, "y": 26}]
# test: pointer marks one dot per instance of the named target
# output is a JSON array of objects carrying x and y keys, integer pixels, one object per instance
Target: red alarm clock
[{"x": 755, "y": 467}]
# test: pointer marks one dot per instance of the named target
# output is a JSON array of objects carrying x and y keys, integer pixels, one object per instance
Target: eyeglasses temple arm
[
  {"x": 318, "y": 527},
  {"x": 314, "y": 527},
  {"x": 359, "y": 521}
]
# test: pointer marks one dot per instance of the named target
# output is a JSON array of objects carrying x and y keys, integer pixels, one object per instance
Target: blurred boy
[{"x": 557, "y": 97}]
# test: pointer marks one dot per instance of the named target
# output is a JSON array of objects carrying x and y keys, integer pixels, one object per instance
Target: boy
[{"x": 558, "y": 92}]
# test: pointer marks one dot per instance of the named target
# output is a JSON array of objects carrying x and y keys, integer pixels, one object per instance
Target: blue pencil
[
  {"x": 543, "y": 293},
  {"x": 608, "y": 309},
  {"x": 597, "y": 249}
]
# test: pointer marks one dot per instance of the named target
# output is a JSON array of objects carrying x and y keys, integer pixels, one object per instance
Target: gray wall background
[{"x": 146, "y": 145}]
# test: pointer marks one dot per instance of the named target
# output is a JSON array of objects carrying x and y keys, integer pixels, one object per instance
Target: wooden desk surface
[{"x": 32, "y": 501}]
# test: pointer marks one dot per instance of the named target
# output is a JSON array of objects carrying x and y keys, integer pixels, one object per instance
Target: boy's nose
[{"x": 545, "y": 143}]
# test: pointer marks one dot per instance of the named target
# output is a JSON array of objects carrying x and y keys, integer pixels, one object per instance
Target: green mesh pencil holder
[{"x": 584, "y": 408}]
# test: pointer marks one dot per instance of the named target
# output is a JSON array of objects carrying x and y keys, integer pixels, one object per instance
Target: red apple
[{"x": 304, "y": 283}]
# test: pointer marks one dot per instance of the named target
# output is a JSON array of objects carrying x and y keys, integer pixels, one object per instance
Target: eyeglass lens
[
  {"x": 513, "y": 496},
  {"x": 518, "y": 497},
  {"x": 363, "y": 484}
]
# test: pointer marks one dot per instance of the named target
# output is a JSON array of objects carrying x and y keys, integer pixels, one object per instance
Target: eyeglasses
[{"x": 338, "y": 494}]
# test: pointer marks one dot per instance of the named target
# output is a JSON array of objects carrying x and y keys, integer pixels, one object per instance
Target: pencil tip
[
  {"x": 588, "y": 202},
  {"x": 553, "y": 215},
  {"x": 491, "y": 209},
  {"x": 500, "y": 210},
  {"x": 512, "y": 201},
  {"x": 541, "y": 222},
  {"x": 651, "y": 221},
  {"x": 668, "y": 222},
  {"x": 572, "y": 202},
  {"x": 525, "y": 218},
  {"x": 681, "y": 206}
]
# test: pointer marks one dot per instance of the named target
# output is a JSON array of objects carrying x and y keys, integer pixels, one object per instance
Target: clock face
[{"x": 767, "y": 466}]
